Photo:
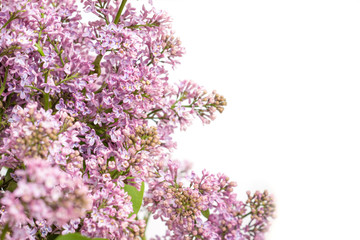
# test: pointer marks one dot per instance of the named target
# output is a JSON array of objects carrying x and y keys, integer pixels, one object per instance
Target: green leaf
[
  {"x": 115, "y": 174},
  {"x": 136, "y": 196},
  {"x": 206, "y": 213},
  {"x": 4, "y": 231},
  {"x": 52, "y": 236},
  {"x": 12, "y": 186},
  {"x": 76, "y": 236},
  {"x": 97, "y": 67},
  {"x": 8, "y": 174}
]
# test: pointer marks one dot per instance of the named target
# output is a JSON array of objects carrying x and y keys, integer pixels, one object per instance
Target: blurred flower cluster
[{"x": 87, "y": 115}]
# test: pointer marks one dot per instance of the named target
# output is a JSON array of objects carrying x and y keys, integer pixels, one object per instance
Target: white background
[{"x": 290, "y": 71}]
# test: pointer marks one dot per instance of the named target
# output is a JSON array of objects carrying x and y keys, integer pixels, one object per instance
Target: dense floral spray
[{"x": 87, "y": 116}]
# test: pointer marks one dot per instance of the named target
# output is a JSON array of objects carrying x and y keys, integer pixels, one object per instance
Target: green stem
[
  {"x": 57, "y": 51},
  {"x": 100, "y": 3},
  {"x": 12, "y": 17},
  {"x": 4, "y": 231},
  {"x": 244, "y": 216},
  {"x": 40, "y": 50},
  {"x": 121, "y": 8},
  {"x": 103, "y": 16},
  {"x": 101, "y": 88},
  {"x": 46, "y": 95},
  {"x": 67, "y": 79},
  {"x": 39, "y": 35},
  {"x": 46, "y": 101},
  {"x": 9, "y": 50},
  {"x": 35, "y": 88},
  {"x": 147, "y": 217},
  {"x": 38, "y": 45},
  {"x": 154, "y": 24}
]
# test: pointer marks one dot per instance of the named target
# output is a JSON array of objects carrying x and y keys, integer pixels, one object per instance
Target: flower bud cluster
[
  {"x": 206, "y": 105},
  {"x": 37, "y": 143},
  {"x": 189, "y": 101},
  {"x": 262, "y": 208},
  {"x": 172, "y": 46},
  {"x": 146, "y": 137},
  {"x": 207, "y": 208},
  {"x": 219, "y": 102}
]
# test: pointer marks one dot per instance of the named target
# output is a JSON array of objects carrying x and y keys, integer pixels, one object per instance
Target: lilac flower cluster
[
  {"x": 87, "y": 116},
  {"x": 205, "y": 207}
]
